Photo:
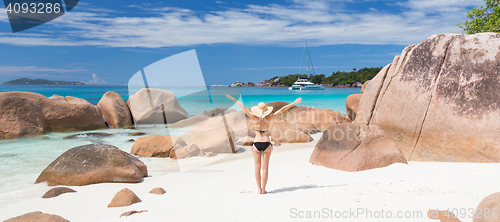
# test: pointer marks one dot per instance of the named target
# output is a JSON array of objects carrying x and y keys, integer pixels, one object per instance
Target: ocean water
[
  {"x": 23, "y": 159},
  {"x": 91, "y": 93},
  {"x": 194, "y": 103},
  {"x": 330, "y": 98}
]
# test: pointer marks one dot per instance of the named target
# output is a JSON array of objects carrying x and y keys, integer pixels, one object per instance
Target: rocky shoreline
[{"x": 267, "y": 83}]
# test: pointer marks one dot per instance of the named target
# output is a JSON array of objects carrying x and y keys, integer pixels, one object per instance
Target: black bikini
[{"x": 261, "y": 146}]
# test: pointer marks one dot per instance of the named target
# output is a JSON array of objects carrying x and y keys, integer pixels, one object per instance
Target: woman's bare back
[{"x": 263, "y": 125}]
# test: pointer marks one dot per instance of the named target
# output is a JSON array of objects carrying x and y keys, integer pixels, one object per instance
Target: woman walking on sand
[{"x": 262, "y": 117}]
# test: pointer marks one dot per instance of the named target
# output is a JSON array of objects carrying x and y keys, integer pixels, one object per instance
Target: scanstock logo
[{"x": 26, "y": 14}]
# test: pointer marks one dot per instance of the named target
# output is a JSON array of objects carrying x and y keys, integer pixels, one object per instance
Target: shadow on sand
[{"x": 289, "y": 189}]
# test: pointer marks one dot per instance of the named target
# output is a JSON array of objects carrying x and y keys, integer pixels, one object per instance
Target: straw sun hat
[{"x": 261, "y": 110}]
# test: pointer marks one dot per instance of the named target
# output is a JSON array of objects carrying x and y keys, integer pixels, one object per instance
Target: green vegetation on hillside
[
  {"x": 27, "y": 81},
  {"x": 483, "y": 19},
  {"x": 337, "y": 78}
]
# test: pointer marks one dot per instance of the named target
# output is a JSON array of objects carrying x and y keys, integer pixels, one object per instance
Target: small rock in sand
[
  {"x": 128, "y": 213},
  {"x": 183, "y": 152},
  {"x": 442, "y": 215},
  {"x": 56, "y": 191},
  {"x": 158, "y": 190},
  {"x": 136, "y": 134},
  {"x": 124, "y": 197},
  {"x": 37, "y": 216},
  {"x": 210, "y": 154}
]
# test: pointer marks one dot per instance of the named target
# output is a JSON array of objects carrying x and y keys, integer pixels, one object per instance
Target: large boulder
[
  {"x": 245, "y": 141},
  {"x": 293, "y": 124},
  {"x": 217, "y": 134},
  {"x": 156, "y": 146},
  {"x": 363, "y": 87},
  {"x": 27, "y": 114},
  {"x": 217, "y": 139},
  {"x": 91, "y": 164},
  {"x": 156, "y": 106},
  {"x": 488, "y": 209},
  {"x": 306, "y": 117},
  {"x": 285, "y": 132},
  {"x": 191, "y": 121},
  {"x": 218, "y": 111},
  {"x": 76, "y": 101},
  {"x": 439, "y": 100},
  {"x": 37, "y": 216},
  {"x": 58, "y": 98},
  {"x": 354, "y": 147},
  {"x": 234, "y": 120},
  {"x": 115, "y": 111},
  {"x": 370, "y": 95},
  {"x": 351, "y": 105}
]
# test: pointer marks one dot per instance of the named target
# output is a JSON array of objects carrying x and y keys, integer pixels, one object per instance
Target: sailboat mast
[
  {"x": 308, "y": 66},
  {"x": 312, "y": 65}
]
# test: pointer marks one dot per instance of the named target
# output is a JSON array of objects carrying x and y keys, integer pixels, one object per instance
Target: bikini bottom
[{"x": 261, "y": 146}]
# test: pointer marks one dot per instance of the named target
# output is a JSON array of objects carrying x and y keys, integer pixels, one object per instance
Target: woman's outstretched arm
[
  {"x": 285, "y": 108},
  {"x": 249, "y": 114}
]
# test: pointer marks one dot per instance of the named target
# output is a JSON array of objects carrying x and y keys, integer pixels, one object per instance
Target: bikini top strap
[{"x": 262, "y": 132}]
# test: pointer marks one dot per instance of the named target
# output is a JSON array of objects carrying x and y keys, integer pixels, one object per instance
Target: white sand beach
[{"x": 226, "y": 191}]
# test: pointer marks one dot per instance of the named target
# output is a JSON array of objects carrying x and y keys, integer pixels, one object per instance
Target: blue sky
[{"x": 108, "y": 41}]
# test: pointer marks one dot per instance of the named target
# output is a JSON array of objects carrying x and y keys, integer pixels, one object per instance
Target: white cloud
[
  {"x": 317, "y": 21},
  {"x": 440, "y": 5},
  {"x": 96, "y": 81},
  {"x": 3, "y": 16}
]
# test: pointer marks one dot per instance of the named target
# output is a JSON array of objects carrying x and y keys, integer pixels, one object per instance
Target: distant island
[
  {"x": 354, "y": 78},
  {"x": 339, "y": 78},
  {"x": 27, "y": 81}
]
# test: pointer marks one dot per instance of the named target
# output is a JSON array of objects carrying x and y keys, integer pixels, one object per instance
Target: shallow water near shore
[{"x": 23, "y": 159}]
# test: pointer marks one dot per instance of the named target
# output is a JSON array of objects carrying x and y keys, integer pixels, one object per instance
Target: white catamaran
[{"x": 305, "y": 83}]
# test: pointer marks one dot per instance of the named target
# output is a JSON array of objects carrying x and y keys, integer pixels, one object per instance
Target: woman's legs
[
  {"x": 265, "y": 167},
  {"x": 256, "y": 158}
]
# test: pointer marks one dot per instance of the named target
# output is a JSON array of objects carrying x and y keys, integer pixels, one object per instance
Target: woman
[{"x": 262, "y": 117}]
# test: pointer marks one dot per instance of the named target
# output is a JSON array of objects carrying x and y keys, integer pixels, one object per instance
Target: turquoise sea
[
  {"x": 331, "y": 98},
  {"x": 23, "y": 159}
]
